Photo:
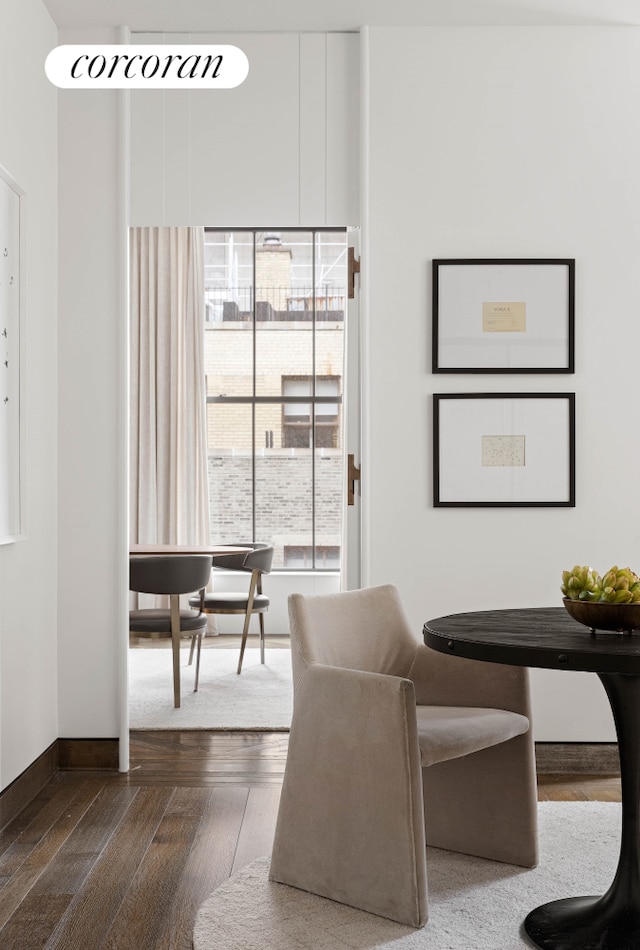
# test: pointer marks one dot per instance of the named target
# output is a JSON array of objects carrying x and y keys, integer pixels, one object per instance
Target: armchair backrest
[
  {"x": 359, "y": 630},
  {"x": 169, "y": 573},
  {"x": 260, "y": 558}
]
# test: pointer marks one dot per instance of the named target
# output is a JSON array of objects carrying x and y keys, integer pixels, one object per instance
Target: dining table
[
  {"x": 215, "y": 550},
  {"x": 548, "y": 638}
]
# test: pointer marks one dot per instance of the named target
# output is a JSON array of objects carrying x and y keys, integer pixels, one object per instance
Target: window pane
[
  {"x": 331, "y": 274},
  {"x": 284, "y": 308},
  {"x": 329, "y": 507},
  {"x": 331, "y": 303},
  {"x": 230, "y": 450},
  {"x": 297, "y": 387},
  {"x": 229, "y": 313},
  {"x": 284, "y": 482},
  {"x": 297, "y": 557}
]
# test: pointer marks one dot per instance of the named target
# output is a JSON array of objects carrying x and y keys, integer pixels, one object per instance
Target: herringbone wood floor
[{"x": 104, "y": 861}]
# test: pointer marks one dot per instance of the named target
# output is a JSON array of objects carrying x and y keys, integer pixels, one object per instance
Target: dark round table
[{"x": 549, "y": 638}]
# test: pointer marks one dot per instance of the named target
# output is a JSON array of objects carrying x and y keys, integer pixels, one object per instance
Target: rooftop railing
[{"x": 273, "y": 304}]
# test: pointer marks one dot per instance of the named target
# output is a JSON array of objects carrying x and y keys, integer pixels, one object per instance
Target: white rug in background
[
  {"x": 260, "y": 698},
  {"x": 473, "y": 904}
]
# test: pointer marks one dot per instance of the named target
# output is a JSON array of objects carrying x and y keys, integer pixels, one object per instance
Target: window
[
  {"x": 275, "y": 305},
  {"x": 297, "y": 428}
]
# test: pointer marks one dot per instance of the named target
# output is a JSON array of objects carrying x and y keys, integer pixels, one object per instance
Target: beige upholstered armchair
[{"x": 394, "y": 746}]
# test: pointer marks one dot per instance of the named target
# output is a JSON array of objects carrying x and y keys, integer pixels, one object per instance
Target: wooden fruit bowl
[{"x": 623, "y": 618}]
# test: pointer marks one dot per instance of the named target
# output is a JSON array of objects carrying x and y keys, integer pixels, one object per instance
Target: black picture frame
[
  {"x": 504, "y": 450},
  {"x": 503, "y": 315}
]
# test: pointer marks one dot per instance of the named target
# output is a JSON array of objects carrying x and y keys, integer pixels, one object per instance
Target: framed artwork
[
  {"x": 12, "y": 214},
  {"x": 503, "y": 316},
  {"x": 500, "y": 450}
]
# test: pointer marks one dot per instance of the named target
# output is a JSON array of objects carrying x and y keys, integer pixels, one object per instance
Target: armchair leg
[
  {"x": 175, "y": 643},
  {"x": 195, "y": 688},
  {"x": 193, "y": 643},
  {"x": 261, "y": 621},
  {"x": 245, "y": 630}
]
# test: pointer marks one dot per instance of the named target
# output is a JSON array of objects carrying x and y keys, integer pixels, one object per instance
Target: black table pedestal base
[
  {"x": 583, "y": 923},
  {"x": 610, "y": 922}
]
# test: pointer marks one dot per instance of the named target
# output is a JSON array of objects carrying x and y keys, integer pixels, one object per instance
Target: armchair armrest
[
  {"x": 442, "y": 680},
  {"x": 351, "y": 822},
  {"x": 357, "y": 716}
]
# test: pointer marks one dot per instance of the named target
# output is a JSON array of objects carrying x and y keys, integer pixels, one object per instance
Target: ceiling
[{"x": 300, "y": 15}]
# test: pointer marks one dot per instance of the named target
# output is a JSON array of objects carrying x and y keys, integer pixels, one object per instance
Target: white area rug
[
  {"x": 260, "y": 698},
  {"x": 473, "y": 904}
]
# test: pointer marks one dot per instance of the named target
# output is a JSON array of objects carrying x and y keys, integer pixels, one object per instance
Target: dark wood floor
[{"x": 107, "y": 861}]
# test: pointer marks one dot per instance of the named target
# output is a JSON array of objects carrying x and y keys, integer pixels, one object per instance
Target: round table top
[
  {"x": 216, "y": 550},
  {"x": 544, "y": 637}
]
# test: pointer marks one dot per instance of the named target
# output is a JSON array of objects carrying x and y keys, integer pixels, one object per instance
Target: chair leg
[
  {"x": 193, "y": 643},
  {"x": 195, "y": 688},
  {"x": 261, "y": 621},
  {"x": 245, "y": 631},
  {"x": 175, "y": 643},
  {"x": 247, "y": 618}
]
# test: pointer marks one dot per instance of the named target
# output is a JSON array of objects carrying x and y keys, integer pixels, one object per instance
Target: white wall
[
  {"x": 504, "y": 142},
  {"x": 28, "y": 569},
  {"x": 92, "y": 447},
  {"x": 279, "y": 150}
]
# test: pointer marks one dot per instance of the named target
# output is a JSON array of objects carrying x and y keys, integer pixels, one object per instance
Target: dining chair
[
  {"x": 394, "y": 746},
  {"x": 247, "y": 602},
  {"x": 173, "y": 575}
]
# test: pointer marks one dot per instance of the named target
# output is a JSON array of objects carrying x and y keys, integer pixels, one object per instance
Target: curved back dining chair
[
  {"x": 255, "y": 562},
  {"x": 394, "y": 746},
  {"x": 171, "y": 574}
]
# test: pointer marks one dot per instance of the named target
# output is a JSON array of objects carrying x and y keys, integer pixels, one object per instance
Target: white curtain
[{"x": 169, "y": 498}]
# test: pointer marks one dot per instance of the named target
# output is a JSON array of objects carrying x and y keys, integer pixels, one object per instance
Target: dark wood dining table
[
  {"x": 547, "y": 637},
  {"x": 215, "y": 550}
]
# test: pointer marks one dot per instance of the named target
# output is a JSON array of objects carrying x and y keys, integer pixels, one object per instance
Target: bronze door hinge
[
  {"x": 354, "y": 268},
  {"x": 353, "y": 476}
]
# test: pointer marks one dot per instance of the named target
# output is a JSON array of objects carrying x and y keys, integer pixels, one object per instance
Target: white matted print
[
  {"x": 504, "y": 450},
  {"x": 503, "y": 316}
]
